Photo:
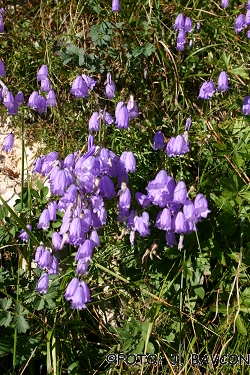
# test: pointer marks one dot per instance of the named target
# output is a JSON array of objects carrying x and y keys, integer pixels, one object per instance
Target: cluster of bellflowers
[
  {"x": 176, "y": 146},
  {"x": 124, "y": 112},
  {"x": 242, "y": 21},
  {"x": 11, "y": 102},
  {"x": 37, "y": 101},
  {"x": 208, "y": 89},
  {"x": 80, "y": 184},
  {"x": 184, "y": 25},
  {"x": 2, "y": 11},
  {"x": 178, "y": 214}
]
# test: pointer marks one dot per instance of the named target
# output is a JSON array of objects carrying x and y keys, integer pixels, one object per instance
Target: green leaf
[
  {"x": 139, "y": 348},
  {"x": 146, "y": 50},
  {"x": 239, "y": 71},
  {"x": 150, "y": 348},
  {"x": 5, "y": 318},
  {"x": 5, "y": 303},
  {"x": 200, "y": 292},
  {"x": 127, "y": 343},
  {"x": 240, "y": 326},
  {"x": 21, "y": 324},
  {"x": 39, "y": 304}
]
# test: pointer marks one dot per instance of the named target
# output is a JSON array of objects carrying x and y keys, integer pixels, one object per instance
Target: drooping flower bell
[
  {"x": 2, "y": 69},
  {"x": 19, "y": 98},
  {"x": 109, "y": 88},
  {"x": 80, "y": 297},
  {"x": 121, "y": 114},
  {"x": 207, "y": 90},
  {"x": 89, "y": 81},
  {"x": 177, "y": 146},
  {"x": 129, "y": 161},
  {"x": 42, "y": 73},
  {"x": 188, "y": 27},
  {"x": 45, "y": 85},
  {"x": 224, "y": 3},
  {"x": 201, "y": 206},
  {"x": 79, "y": 88},
  {"x": 159, "y": 141},
  {"x": 132, "y": 108},
  {"x": 24, "y": 235},
  {"x": 8, "y": 143},
  {"x": 43, "y": 283},
  {"x": 33, "y": 100},
  {"x": 115, "y": 6},
  {"x": 181, "y": 40},
  {"x": 179, "y": 22},
  {"x": 51, "y": 98},
  {"x": 188, "y": 124},
  {"x": 1, "y": 25},
  {"x": 246, "y": 105},
  {"x": 239, "y": 23},
  {"x": 223, "y": 81},
  {"x": 94, "y": 122},
  {"x": 9, "y": 100}
]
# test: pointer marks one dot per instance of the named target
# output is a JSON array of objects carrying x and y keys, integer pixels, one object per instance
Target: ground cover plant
[{"x": 128, "y": 250}]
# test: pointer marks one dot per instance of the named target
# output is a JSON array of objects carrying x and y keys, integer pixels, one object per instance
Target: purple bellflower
[
  {"x": 159, "y": 141},
  {"x": 89, "y": 81},
  {"x": 94, "y": 122},
  {"x": 42, "y": 73},
  {"x": 246, "y": 105},
  {"x": 51, "y": 99},
  {"x": 132, "y": 108},
  {"x": 188, "y": 27},
  {"x": 177, "y": 146},
  {"x": 188, "y": 124},
  {"x": 8, "y": 143},
  {"x": 179, "y": 22},
  {"x": 80, "y": 297},
  {"x": 1, "y": 25},
  {"x": 207, "y": 90},
  {"x": 8, "y": 100},
  {"x": 129, "y": 161},
  {"x": 2, "y": 69},
  {"x": 79, "y": 88},
  {"x": 19, "y": 98},
  {"x": 198, "y": 26},
  {"x": 122, "y": 116},
  {"x": 43, "y": 283},
  {"x": 181, "y": 40},
  {"x": 115, "y": 6},
  {"x": 33, "y": 100},
  {"x": 239, "y": 23},
  {"x": 24, "y": 235},
  {"x": 45, "y": 84},
  {"x": 223, "y": 81},
  {"x": 109, "y": 88},
  {"x": 224, "y": 3}
]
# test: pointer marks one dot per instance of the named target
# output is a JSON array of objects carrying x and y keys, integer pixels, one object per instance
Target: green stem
[{"x": 181, "y": 304}]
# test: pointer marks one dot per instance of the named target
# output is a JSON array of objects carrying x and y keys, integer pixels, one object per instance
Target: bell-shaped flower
[
  {"x": 106, "y": 187},
  {"x": 56, "y": 240},
  {"x": 159, "y": 141},
  {"x": 224, "y": 3},
  {"x": 170, "y": 238},
  {"x": 85, "y": 251},
  {"x": 188, "y": 124},
  {"x": 94, "y": 122},
  {"x": 127, "y": 157},
  {"x": 124, "y": 199},
  {"x": 132, "y": 108},
  {"x": 142, "y": 199},
  {"x": 41, "y": 104},
  {"x": 164, "y": 220},
  {"x": 9, "y": 100},
  {"x": 239, "y": 23},
  {"x": 54, "y": 266},
  {"x": 33, "y": 100},
  {"x": 107, "y": 118},
  {"x": 109, "y": 88},
  {"x": 51, "y": 98},
  {"x": 89, "y": 81},
  {"x": 115, "y": 6},
  {"x": 223, "y": 81},
  {"x": 180, "y": 192},
  {"x": 181, "y": 41},
  {"x": 207, "y": 90},
  {"x": 76, "y": 233},
  {"x": 45, "y": 260},
  {"x": 189, "y": 211},
  {"x": 94, "y": 238},
  {"x": 179, "y": 22},
  {"x": 44, "y": 219},
  {"x": 8, "y": 143},
  {"x": 198, "y": 26},
  {"x": 246, "y": 105},
  {"x": 2, "y": 69},
  {"x": 179, "y": 223},
  {"x": 248, "y": 5},
  {"x": 38, "y": 253},
  {"x": 19, "y": 98},
  {"x": 82, "y": 267},
  {"x": 45, "y": 84},
  {"x": 177, "y": 146},
  {"x": 79, "y": 88},
  {"x": 43, "y": 283},
  {"x": 24, "y": 235},
  {"x": 122, "y": 117},
  {"x": 1, "y": 25},
  {"x": 201, "y": 206},
  {"x": 71, "y": 288},
  {"x": 188, "y": 27},
  {"x": 59, "y": 183},
  {"x": 42, "y": 73},
  {"x": 80, "y": 297}
]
